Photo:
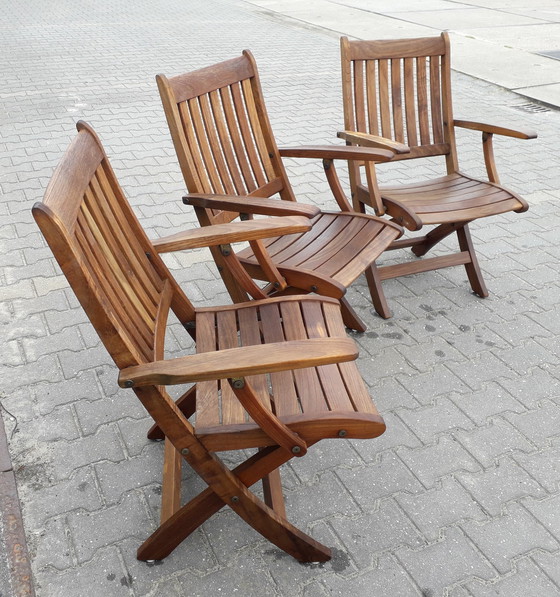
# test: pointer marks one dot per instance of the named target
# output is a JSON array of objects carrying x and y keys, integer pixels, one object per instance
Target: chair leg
[
  {"x": 350, "y": 317},
  {"x": 186, "y": 404},
  {"x": 473, "y": 269},
  {"x": 272, "y": 491},
  {"x": 255, "y": 512},
  {"x": 377, "y": 293},
  {"x": 433, "y": 238}
]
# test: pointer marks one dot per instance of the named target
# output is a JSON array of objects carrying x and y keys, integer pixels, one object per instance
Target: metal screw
[
  {"x": 234, "y": 499},
  {"x": 342, "y": 433},
  {"x": 128, "y": 383},
  {"x": 296, "y": 450},
  {"x": 185, "y": 451},
  {"x": 314, "y": 288},
  {"x": 238, "y": 383}
]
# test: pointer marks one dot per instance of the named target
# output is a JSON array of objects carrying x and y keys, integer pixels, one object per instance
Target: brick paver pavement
[{"x": 460, "y": 497}]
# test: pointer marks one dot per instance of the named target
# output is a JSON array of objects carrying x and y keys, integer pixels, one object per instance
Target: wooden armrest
[
  {"x": 497, "y": 130},
  {"x": 337, "y": 152},
  {"x": 367, "y": 140},
  {"x": 253, "y": 205},
  {"x": 233, "y": 232},
  {"x": 240, "y": 362}
]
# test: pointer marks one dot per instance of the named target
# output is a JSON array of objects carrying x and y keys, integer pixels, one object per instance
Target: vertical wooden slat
[
  {"x": 333, "y": 387},
  {"x": 435, "y": 100},
  {"x": 422, "y": 94},
  {"x": 272, "y": 331},
  {"x": 371, "y": 91},
  {"x": 205, "y": 149},
  {"x": 359, "y": 99},
  {"x": 232, "y": 411},
  {"x": 250, "y": 335},
  {"x": 246, "y": 134},
  {"x": 384, "y": 100},
  {"x": 233, "y": 128},
  {"x": 207, "y": 406},
  {"x": 410, "y": 102},
  {"x": 226, "y": 142},
  {"x": 254, "y": 121},
  {"x": 307, "y": 382},
  {"x": 192, "y": 142},
  {"x": 215, "y": 146},
  {"x": 396, "y": 96}
]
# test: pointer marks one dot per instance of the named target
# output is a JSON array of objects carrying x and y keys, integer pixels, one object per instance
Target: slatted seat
[
  {"x": 228, "y": 157},
  {"x": 275, "y": 375},
  {"x": 397, "y": 95}
]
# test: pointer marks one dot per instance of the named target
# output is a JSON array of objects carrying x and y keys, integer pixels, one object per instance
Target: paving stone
[
  {"x": 386, "y": 579},
  {"x": 538, "y": 425},
  {"x": 543, "y": 466},
  {"x": 430, "y": 421},
  {"x": 512, "y": 535},
  {"x": 438, "y": 460},
  {"x": 93, "y": 413},
  {"x": 550, "y": 564},
  {"x": 105, "y": 572},
  {"x": 450, "y": 561},
  {"x": 446, "y": 505},
  {"x": 385, "y": 528},
  {"x": 425, "y": 387},
  {"x": 495, "y": 487},
  {"x": 389, "y": 476},
  {"x": 528, "y": 581},
  {"x": 89, "y": 531},
  {"x": 491, "y": 400},
  {"x": 49, "y": 546},
  {"x": 488, "y": 444},
  {"x": 546, "y": 511},
  {"x": 531, "y": 388}
]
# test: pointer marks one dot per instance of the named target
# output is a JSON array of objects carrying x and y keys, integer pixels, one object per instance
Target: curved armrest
[
  {"x": 253, "y": 205},
  {"x": 337, "y": 152},
  {"x": 240, "y": 362},
  {"x": 367, "y": 140},
  {"x": 223, "y": 234},
  {"x": 494, "y": 130}
]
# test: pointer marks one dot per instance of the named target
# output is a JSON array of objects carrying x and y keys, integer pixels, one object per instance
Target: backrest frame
[{"x": 401, "y": 90}]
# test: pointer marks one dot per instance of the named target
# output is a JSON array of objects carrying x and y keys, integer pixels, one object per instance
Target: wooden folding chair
[
  {"x": 275, "y": 375},
  {"x": 397, "y": 95},
  {"x": 228, "y": 155}
]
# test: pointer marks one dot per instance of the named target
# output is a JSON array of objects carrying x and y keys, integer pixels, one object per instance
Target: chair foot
[
  {"x": 474, "y": 273},
  {"x": 350, "y": 317},
  {"x": 376, "y": 291}
]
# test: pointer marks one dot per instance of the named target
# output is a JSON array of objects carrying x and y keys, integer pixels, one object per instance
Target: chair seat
[
  {"x": 452, "y": 198},
  {"x": 328, "y": 250},
  {"x": 314, "y": 402}
]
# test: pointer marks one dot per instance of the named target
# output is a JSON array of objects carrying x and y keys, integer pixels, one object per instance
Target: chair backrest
[
  {"x": 222, "y": 134},
  {"x": 121, "y": 282},
  {"x": 401, "y": 90}
]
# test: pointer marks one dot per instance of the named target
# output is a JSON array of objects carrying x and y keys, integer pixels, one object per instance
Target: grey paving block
[
  {"x": 530, "y": 389},
  {"x": 491, "y": 400},
  {"x": 510, "y": 536},
  {"x": 384, "y": 528},
  {"x": 543, "y": 466},
  {"x": 546, "y": 512},
  {"x": 550, "y": 564},
  {"x": 446, "y": 456},
  {"x": 488, "y": 444},
  {"x": 528, "y": 581},
  {"x": 482, "y": 369},
  {"x": 425, "y": 387},
  {"x": 50, "y": 548},
  {"x": 90, "y": 531},
  {"x": 451, "y": 561},
  {"x": 539, "y": 424},
  {"x": 382, "y": 479},
  {"x": 443, "y": 506},
  {"x": 105, "y": 572},
  {"x": 386, "y": 579},
  {"x": 495, "y": 487}
]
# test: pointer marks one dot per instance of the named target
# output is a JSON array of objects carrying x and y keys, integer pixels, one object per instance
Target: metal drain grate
[{"x": 532, "y": 108}]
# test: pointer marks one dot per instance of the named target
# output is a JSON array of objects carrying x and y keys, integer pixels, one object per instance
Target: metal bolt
[
  {"x": 314, "y": 288},
  {"x": 185, "y": 451},
  {"x": 342, "y": 433},
  {"x": 234, "y": 499},
  {"x": 238, "y": 383},
  {"x": 296, "y": 450},
  {"x": 128, "y": 383}
]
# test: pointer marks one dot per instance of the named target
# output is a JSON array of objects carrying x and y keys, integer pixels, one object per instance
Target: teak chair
[
  {"x": 230, "y": 161},
  {"x": 397, "y": 95},
  {"x": 276, "y": 375}
]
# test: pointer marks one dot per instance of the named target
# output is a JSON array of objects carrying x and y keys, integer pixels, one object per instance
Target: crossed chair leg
[{"x": 226, "y": 487}]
